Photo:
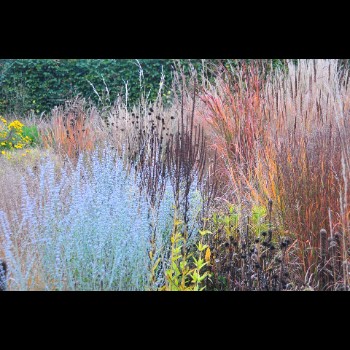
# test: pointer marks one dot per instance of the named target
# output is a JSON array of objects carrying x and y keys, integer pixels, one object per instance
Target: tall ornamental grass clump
[
  {"x": 89, "y": 226},
  {"x": 281, "y": 137}
]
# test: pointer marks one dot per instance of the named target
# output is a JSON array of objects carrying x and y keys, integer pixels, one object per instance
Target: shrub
[{"x": 88, "y": 227}]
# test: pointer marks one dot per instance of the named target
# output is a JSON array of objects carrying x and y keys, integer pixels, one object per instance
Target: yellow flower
[
  {"x": 17, "y": 125},
  {"x": 3, "y": 152},
  {"x": 3, "y": 143},
  {"x": 207, "y": 254}
]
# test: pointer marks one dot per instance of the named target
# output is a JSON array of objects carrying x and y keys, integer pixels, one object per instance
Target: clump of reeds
[{"x": 72, "y": 129}]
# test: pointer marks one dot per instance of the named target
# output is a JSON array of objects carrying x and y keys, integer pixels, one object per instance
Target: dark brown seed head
[
  {"x": 270, "y": 204},
  {"x": 269, "y": 232}
]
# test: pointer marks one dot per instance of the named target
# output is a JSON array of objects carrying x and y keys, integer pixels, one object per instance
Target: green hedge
[{"x": 41, "y": 84}]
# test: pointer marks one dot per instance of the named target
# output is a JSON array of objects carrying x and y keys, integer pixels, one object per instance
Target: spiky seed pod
[
  {"x": 270, "y": 204},
  {"x": 269, "y": 235},
  {"x": 333, "y": 255},
  {"x": 339, "y": 239},
  {"x": 323, "y": 253},
  {"x": 323, "y": 244}
]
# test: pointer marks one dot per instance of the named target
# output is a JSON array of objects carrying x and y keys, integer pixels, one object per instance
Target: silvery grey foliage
[{"x": 88, "y": 227}]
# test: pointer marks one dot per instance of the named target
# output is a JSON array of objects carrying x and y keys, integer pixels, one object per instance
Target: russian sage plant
[{"x": 88, "y": 227}]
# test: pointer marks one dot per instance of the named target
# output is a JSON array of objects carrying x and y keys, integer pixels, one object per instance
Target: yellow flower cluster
[
  {"x": 16, "y": 125},
  {"x": 12, "y": 138}
]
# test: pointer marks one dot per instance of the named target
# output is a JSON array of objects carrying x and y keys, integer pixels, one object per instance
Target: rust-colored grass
[
  {"x": 72, "y": 130},
  {"x": 279, "y": 136}
]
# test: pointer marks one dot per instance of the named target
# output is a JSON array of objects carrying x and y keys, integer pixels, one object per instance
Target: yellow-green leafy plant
[
  {"x": 198, "y": 277},
  {"x": 258, "y": 219},
  {"x": 185, "y": 270},
  {"x": 12, "y": 137}
]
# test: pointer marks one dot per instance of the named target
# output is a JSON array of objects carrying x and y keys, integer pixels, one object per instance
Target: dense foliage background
[{"x": 40, "y": 84}]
